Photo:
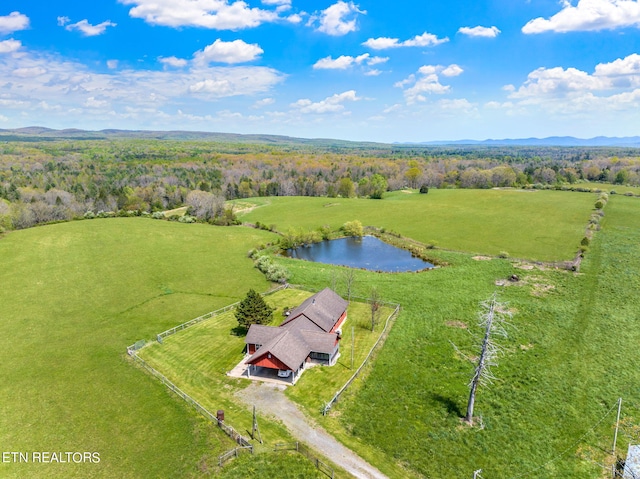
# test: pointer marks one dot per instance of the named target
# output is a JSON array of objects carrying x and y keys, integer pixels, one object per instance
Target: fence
[
  {"x": 231, "y": 432},
  {"x": 384, "y": 332},
  {"x": 304, "y": 450},
  {"x": 222, "y": 458},
  {"x": 209, "y": 315}
]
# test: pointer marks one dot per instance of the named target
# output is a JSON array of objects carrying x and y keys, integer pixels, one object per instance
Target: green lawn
[
  {"x": 197, "y": 359},
  {"x": 74, "y": 295},
  {"x": 541, "y": 225},
  {"x": 571, "y": 352}
]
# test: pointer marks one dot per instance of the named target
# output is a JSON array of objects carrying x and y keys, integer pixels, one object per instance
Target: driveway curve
[{"x": 269, "y": 399}]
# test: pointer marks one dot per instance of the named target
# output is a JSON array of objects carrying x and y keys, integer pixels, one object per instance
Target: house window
[{"x": 319, "y": 356}]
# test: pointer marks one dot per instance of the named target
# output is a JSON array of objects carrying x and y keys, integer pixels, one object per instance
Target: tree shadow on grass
[
  {"x": 239, "y": 331},
  {"x": 451, "y": 406}
]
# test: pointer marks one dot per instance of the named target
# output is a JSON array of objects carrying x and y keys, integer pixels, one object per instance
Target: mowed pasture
[
  {"x": 198, "y": 358},
  {"x": 73, "y": 297},
  {"x": 531, "y": 224},
  {"x": 78, "y": 293},
  {"x": 571, "y": 353}
]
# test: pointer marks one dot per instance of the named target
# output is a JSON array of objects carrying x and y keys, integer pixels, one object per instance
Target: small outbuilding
[{"x": 310, "y": 334}]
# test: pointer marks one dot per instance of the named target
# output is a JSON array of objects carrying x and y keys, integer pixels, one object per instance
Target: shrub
[
  {"x": 186, "y": 219},
  {"x": 352, "y": 228},
  {"x": 503, "y": 255},
  {"x": 585, "y": 241},
  {"x": 424, "y": 189},
  {"x": 274, "y": 272},
  {"x": 325, "y": 232},
  {"x": 599, "y": 204},
  {"x": 158, "y": 215},
  {"x": 89, "y": 215}
]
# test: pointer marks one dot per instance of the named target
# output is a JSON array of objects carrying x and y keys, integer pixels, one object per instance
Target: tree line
[{"x": 59, "y": 180}]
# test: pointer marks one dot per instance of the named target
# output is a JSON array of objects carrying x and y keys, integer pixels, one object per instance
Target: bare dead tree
[
  {"x": 334, "y": 279},
  {"x": 374, "y": 305},
  {"x": 493, "y": 317},
  {"x": 349, "y": 279}
]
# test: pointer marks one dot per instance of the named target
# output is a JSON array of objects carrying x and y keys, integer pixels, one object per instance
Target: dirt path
[{"x": 269, "y": 399}]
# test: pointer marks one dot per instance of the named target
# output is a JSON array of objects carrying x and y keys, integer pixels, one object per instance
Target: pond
[{"x": 367, "y": 252}]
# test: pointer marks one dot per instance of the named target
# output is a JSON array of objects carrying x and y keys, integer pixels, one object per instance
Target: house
[{"x": 310, "y": 334}]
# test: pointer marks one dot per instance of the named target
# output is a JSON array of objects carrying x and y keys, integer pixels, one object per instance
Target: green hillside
[
  {"x": 540, "y": 225},
  {"x": 73, "y": 296}
]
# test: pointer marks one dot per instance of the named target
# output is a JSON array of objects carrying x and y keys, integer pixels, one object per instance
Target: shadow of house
[{"x": 310, "y": 334}]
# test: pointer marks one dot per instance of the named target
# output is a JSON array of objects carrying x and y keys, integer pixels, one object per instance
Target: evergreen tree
[{"x": 253, "y": 310}]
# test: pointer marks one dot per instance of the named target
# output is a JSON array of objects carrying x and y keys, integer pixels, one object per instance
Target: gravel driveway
[{"x": 269, "y": 399}]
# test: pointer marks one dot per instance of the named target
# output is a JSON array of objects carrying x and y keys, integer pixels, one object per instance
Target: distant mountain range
[
  {"x": 38, "y": 133},
  {"x": 629, "y": 141}
]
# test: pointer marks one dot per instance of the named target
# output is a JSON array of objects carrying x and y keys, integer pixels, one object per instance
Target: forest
[{"x": 44, "y": 180}]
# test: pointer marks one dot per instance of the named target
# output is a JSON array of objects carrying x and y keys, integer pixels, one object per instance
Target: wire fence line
[
  {"x": 222, "y": 458},
  {"x": 229, "y": 430},
  {"x": 210, "y": 315},
  {"x": 323, "y": 467},
  {"x": 383, "y": 334}
]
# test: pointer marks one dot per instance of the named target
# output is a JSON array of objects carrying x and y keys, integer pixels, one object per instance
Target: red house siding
[
  {"x": 251, "y": 348},
  {"x": 270, "y": 362},
  {"x": 339, "y": 322}
]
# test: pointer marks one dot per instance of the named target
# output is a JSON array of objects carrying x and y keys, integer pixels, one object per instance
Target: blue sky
[{"x": 365, "y": 70}]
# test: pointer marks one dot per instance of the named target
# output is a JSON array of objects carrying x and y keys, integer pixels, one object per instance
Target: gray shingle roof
[
  {"x": 305, "y": 330},
  {"x": 287, "y": 347},
  {"x": 323, "y": 309},
  {"x": 259, "y": 334}
]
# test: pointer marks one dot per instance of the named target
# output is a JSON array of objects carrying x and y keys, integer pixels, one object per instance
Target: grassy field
[
  {"x": 572, "y": 351},
  {"x": 74, "y": 296},
  {"x": 197, "y": 359},
  {"x": 80, "y": 292},
  {"x": 542, "y": 225}
]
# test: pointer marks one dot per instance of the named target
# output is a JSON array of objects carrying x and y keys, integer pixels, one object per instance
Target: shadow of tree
[
  {"x": 451, "y": 406},
  {"x": 239, "y": 331}
]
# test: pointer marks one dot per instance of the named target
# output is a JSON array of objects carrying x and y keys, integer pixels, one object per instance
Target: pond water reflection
[{"x": 367, "y": 252}]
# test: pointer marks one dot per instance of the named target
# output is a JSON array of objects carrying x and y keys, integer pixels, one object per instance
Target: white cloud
[
  {"x": 213, "y": 14},
  {"x": 87, "y": 29},
  {"x": 486, "y": 32},
  {"x": 588, "y": 15},
  {"x": 629, "y": 66},
  {"x": 427, "y": 82},
  {"x": 10, "y": 46},
  {"x": 294, "y": 18},
  {"x": 452, "y": 71},
  {"x": 62, "y": 21},
  {"x": 13, "y": 22},
  {"x": 424, "y": 40},
  {"x": 29, "y": 72},
  {"x": 344, "y": 61},
  {"x": 91, "y": 102},
  {"x": 619, "y": 74},
  {"x": 35, "y": 81},
  {"x": 373, "y": 73},
  {"x": 174, "y": 62},
  {"x": 112, "y": 64},
  {"x": 332, "y": 104},
  {"x": 338, "y": 19},
  {"x": 262, "y": 103},
  {"x": 613, "y": 86},
  {"x": 457, "y": 104},
  {"x": 236, "y": 51},
  {"x": 276, "y": 2}
]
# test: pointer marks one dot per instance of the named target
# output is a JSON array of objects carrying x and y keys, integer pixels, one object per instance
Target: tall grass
[
  {"x": 541, "y": 225},
  {"x": 73, "y": 296}
]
